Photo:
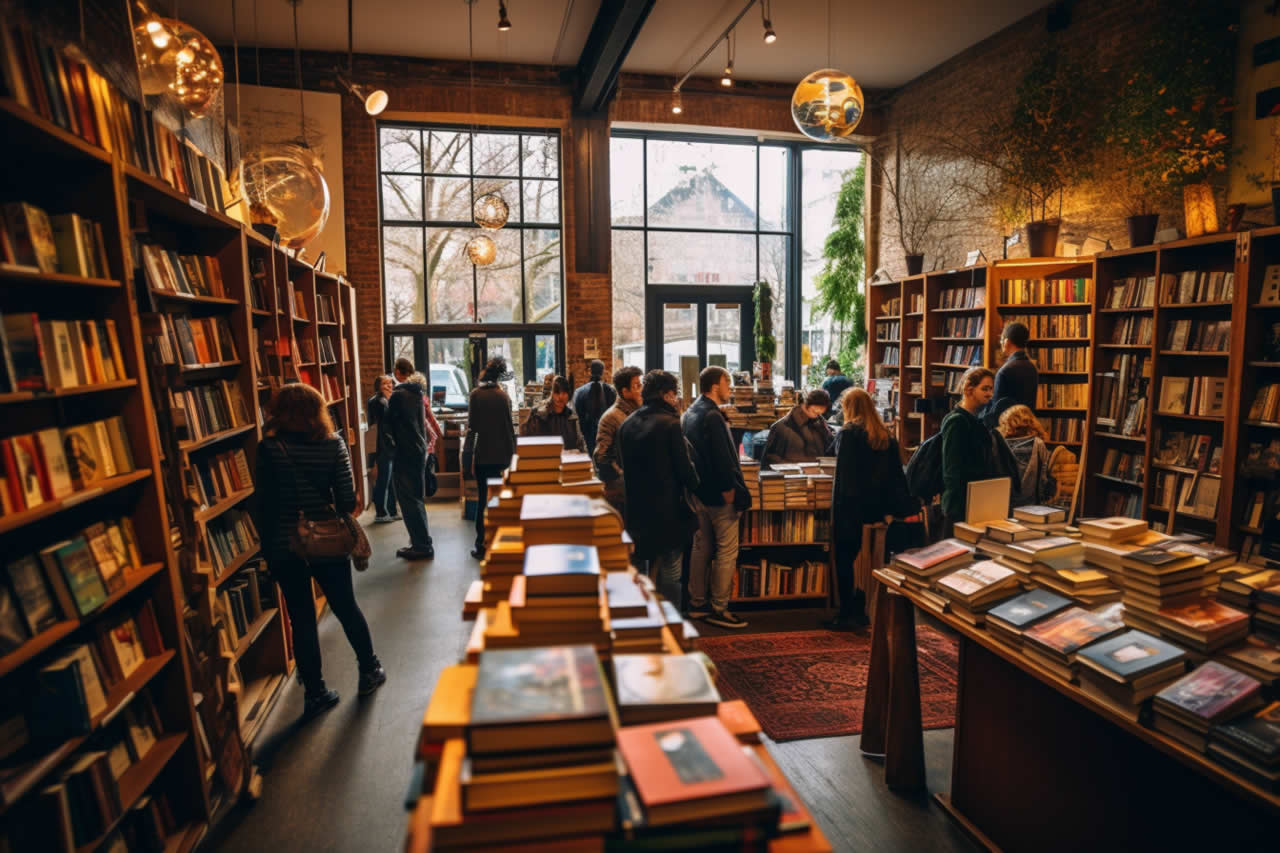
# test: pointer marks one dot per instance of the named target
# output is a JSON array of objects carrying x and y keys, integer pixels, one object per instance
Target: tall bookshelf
[
  {"x": 955, "y": 327},
  {"x": 72, "y": 176},
  {"x": 884, "y": 349},
  {"x": 911, "y": 429}
]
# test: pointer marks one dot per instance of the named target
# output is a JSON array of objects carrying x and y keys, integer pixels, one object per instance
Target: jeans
[
  {"x": 711, "y": 575},
  {"x": 665, "y": 569},
  {"x": 407, "y": 478},
  {"x": 483, "y": 473},
  {"x": 294, "y": 577},
  {"x": 847, "y": 550},
  {"x": 384, "y": 494}
]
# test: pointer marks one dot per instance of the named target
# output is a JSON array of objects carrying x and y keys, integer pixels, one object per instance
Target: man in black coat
[
  {"x": 1017, "y": 379},
  {"x": 720, "y": 497},
  {"x": 384, "y": 496},
  {"x": 405, "y": 424},
  {"x": 491, "y": 438},
  {"x": 657, "y": 472}
]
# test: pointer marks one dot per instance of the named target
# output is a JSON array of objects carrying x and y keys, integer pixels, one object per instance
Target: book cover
[
  {"x": 1258, "y": 735},
  {"x": 84, "y": 456},
  {"x": 13, "y": 627},
  {"x": 118, "y": 437},
  {"x": 1205, "y": 616},
  {"x": 54, "y": 461},
  {"x": 1072, "y": 629},
  {"x": 544, "y": 560},
  {"x": 1209, "y": 690},
  {"x": 1029, "y": 607},
  {"x": 24, "y": 352},
  {"x": 925, "y": 558},
  {"x": 694, "y": 759},
  {"x": 26, "y": 470},
  {"x": 90, "y": 679},
  {"x": 75, "y": 560},
  {"x": 975, "y": 578},
  {"x": 29, "y": 585},
  {"x": 645, "y": 680},
  {"x": 1128, "y": 655},
  {"x": 126, "y": 642},
  {"x": 1040, "y": 514},
  {"x": 538, "y": 685}
]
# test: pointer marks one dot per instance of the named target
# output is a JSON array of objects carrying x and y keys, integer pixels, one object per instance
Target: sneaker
[
  {"x": 416, "y": 554},
  {"x": 317, "y": 703},
  {"x": 725, "y": 619},
  {"x": 698, "y": 611},
  {"x": 477, "y": 553},
  {"x": 371, "y": 680},
  {"x": 395, "y": 516},
  {"x": 383, "y": 519}
]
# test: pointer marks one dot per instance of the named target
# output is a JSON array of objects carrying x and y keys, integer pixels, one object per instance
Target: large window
[
  {"x": 706, "y": 211},
  {"x": 435, "y": 297}
]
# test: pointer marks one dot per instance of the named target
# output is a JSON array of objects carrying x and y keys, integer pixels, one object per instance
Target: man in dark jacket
[
  {"x": 590, "y": 402},
  {"x": 628, "y": 381},
  {"x": 405, "y": 425},
  {"x": 384, "y": 496},
  {"x": 1017, "y": 379},
  {"x": 803, "y": 435},
  {"x": 556, "y": 417},
  {"x": 836, "y": 382},
  {"x": 653, "y": 450},
  {"x": 720, "y": 497},
  {"x": 491, "y": 439}
]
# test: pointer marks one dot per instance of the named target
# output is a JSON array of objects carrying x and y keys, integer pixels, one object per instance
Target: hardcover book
[
  {"x": 934, "y": 557},
  {"x": 1040, "y": 514},
  {"x": 1130, "y": 655},
  {"x": 75, "y": 561},
  {"x": 1072, "y": 629},
  {"x": 1113, "y": 529},
  {"x": 1210, "y": 692},
  {"x": 679, "y": 683},
  {"x": 29, "y": 585},
  {"x": 561, "y": 570},
  {"x": 1257, "y": 736},
  {"x": 973, "y": 580},
  {"x": 1028, "y": 608}
]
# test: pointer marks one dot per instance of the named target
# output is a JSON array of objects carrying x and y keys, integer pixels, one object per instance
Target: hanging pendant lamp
[{"x": 828, "y": 103}]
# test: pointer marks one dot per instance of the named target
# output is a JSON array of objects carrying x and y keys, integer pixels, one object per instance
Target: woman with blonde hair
[
  {"x": 303, "y": 470},
  {"x": 1026, "y": 438},
  {"x": 869, "y": 486}
]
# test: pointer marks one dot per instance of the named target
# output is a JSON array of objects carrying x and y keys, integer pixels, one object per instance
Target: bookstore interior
[{"x": 798, "y": 212}]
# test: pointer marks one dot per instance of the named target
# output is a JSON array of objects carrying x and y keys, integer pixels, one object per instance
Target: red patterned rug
[{"x": 805, "y": 684}]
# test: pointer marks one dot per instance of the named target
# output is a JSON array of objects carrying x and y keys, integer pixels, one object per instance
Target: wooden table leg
[
  {"x": 904, "y": 729},
  {"x": 875, "y": 704}
]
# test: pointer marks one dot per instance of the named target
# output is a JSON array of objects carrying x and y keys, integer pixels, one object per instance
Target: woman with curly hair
[{"x": 1026, "y": 438}]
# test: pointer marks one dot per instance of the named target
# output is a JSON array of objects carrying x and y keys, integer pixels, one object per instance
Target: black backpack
[{"x": 924, "y": 470}]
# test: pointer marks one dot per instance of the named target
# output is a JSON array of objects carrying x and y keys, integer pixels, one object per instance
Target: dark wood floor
[{"x": 338, "y": 782}]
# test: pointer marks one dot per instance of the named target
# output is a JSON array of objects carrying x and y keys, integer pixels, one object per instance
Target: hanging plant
[{"x": 766, "y": 343}]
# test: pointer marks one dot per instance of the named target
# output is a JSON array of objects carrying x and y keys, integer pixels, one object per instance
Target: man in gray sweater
[{"x": 608, "y": 463}]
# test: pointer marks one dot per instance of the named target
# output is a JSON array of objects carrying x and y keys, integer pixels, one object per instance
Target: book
[
  {"x": 85, "y": 456},
  {"x": 1208, "y": 694},
  {"x": 658, "y": 687},
  {"x": 1131, "y": 655},
  {"x": 74, "y": 560},
  {"x": 561, "y": 570},
  {"x": 538, "y": 698},
  {"x": 1113, "y": 529},
  {"x": 29, "y": 585},
  {"x": 1070, "y": 630},
  {"x": 1040, "y": 514},
  {"x": 1027, "y": 609},
  {"x": 691, "y": 770},
  {"x": 1257, "y": 736},
  {"x": 24, "y": 354},
  {"x": 95, "y": 696},
  {"x": 936, "y": 558},
  {"x": 978, "y": 582},
  {"x": 541, "y": 445}
]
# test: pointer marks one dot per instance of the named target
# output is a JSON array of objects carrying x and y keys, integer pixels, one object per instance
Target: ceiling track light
[
  {"x": 767, "y": 20},
  {"x": 727, "y": 79},
  {"x": 677, "y": 106},
  {"x": 504, "y": 23},
  {"x": 374, "y": 100}
]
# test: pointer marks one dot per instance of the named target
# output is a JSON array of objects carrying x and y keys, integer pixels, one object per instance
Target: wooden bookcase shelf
[{"x": 58, "y": 393}]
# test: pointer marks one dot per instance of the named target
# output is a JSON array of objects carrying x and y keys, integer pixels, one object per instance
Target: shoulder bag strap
[{"x": 298, "y": 479}]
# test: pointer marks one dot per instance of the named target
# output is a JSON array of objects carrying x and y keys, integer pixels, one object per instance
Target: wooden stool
[{"x": 891, "y": 723}]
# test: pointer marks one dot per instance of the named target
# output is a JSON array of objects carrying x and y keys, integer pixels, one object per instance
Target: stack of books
[
  {"x": 1158, "y": 578},
  {"x": 1008, "y": 620},
  {"x": 1057, "y": 563},
  {"x": 1049, "y": 520},
  {"x": 1204, "y": 625},
  {"x": 827, "y": 465},
  {"x": 1251, "y": 746},
  {"x": 787, "y": 397},
  {"x": 1210, "y": 694},
  {"x": 976, "y": 588},
  {"x": 575, "y": 467},
  {"x": 655, "y": 688},
  {"x": 1129, "y": 668},
  {"x": 772, "y": 490},
  {"x": 820, "y": 486},
  {"x": 503, "y": 560},
  {"x": 1054, "y": 642},
  {"x": 796, "y": 492},
  {"x": 638, "y": 634},
  {"x": 561, "y": 518},
  {"x": 751, "y": 477},
  {"x": 920, "y": 566},
  {"x": 559, "y": 599},
  {"x": 503, "y": 509},
  {"x": 536, "y": 466}
]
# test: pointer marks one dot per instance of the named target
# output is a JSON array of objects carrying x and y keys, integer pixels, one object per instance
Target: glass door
[
  {"x": 456, "y": 358},
  {"x": 699, "y": 326}
]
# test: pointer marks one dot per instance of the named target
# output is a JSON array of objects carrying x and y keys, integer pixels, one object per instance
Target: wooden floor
[{"x": 337, "y": 783}]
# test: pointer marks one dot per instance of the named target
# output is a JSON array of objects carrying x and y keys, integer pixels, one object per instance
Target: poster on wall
[{"x": 268, "y": 116}]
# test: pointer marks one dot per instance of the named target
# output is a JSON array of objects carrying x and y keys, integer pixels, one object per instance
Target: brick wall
[{"x": 980, "y": 83}]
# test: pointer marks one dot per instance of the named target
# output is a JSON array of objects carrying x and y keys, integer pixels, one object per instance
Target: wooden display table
[{"x": 1038, "y": 765}]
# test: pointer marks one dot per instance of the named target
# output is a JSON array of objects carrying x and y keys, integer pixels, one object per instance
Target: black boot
[{"x": 318, "y": 701}]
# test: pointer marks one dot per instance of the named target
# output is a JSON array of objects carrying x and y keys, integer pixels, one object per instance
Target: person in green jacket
[{"x": 966, "y": 444}]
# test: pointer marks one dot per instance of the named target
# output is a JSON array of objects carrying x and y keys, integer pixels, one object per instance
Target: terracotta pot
[
  {"x": 915, "y": 264},
  {"x": 1042, "y": 238},
  {"x": 1142, "y": 228},
  {"x": 1200, "y": 209}
]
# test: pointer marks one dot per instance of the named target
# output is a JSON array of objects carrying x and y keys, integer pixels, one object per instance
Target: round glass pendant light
[
  {"x": 481, "y": 250},
  {"x": 285, "y": 187},
  {"x": 490, "y": 212},
  {"x": 175, "y": 58},
  {"x": 827, "y": 105}
]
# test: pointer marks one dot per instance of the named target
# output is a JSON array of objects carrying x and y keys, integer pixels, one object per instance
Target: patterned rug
[{"x": 806, "y": 684}]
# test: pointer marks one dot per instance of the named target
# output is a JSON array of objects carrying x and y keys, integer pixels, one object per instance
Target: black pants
[
  {"x": 294, "y": 577},
  {"x": 483, "y": 473},
  {"x": 847, "y": 549}
]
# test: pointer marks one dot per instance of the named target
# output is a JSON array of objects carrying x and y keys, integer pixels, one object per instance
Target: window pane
[
  {"x": 446, "y": 152},
  {"x": 449, "y": 275},
  {"x": 626, "y": 180},
  {"x": 701, "y": 185},
  {"x": 724, "y": 335},
  {"x": 512, "y": 349},
  {"x": 773, "y": 188},
  {"x": 541, "y": 156},
  {"x": 823, "y": 173},
  {"x": 498, "y": 284},
  {"x": 542, "y": 201},
  {"x": 401, "y": 149},
  {"x": 448, "y": 199},
  {"x": 507, "y": 189},
  {"x": 628, "y": 298},
  {"x": 450, "y": 369},
  {"x": 679, "y": 336},
  {"x": 401, "y": 197},
  {"x": 774, "y": 251},
  {"x": 401, "y": 347},
  {"x": 497, "y": 154},
  {"x": 677, "y": 257},
  {"x": 545, "y": 355},
  {"x": 542, "y": 275},
  {"x": 403, "y": 265}
]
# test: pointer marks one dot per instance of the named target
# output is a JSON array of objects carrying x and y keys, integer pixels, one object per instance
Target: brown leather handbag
[{"x": 328, "y": 538}]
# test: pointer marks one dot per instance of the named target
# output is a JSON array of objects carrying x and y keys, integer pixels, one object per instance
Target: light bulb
[
  {"x": 677, "y": 106},
  {"x": 769, "y": 35}
]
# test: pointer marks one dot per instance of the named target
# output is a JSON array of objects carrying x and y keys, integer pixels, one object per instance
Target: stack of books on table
[
  {"x": 636, "y": 618},
  {"x": 1158, "y": 579},
  {"x": 1251, "y": 746},
  {"x": 796, "y": 493},
  {"x": 751, "y": 477},
  {"x": 1054, "y": 642},
  {"x": 502, "y": 562},
  {"x": 536, "y": 466},
  {"x": 1009, "y": 619},
  {"x": 1208, "y": 695},
  {"x": 1257, "y": 655},
  {"x": 821, "y": 485},
  {"x": 827, "y": 465},
  {"x": 1057, "y": 563},
  {"x": 503, "y": 510},
  {"x": 1257, "y": 592},
  {"x": 537, "y": 761},
  {"x": 1203, "y": 625},
  {"x": 563, "y": 518},
  {"x": 921, "y": 566},
  {"x": 1125, "y": 670},
  {"x": 976, "y": 588},
  {"x": 558, "y": 600},
  {"x": 772, "y": 490},
  {"x": 575, "y": 467},
  {"x": 655, "y": 688}
]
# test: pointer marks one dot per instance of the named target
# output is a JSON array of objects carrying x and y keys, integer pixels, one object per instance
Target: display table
[{"x": 1039, "y": 765}]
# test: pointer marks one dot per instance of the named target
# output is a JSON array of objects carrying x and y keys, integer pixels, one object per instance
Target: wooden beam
[{"x": 614, "y": 31}]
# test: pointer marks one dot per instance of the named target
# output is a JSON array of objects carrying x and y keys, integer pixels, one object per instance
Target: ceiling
[{"x": 883, "y": 44}]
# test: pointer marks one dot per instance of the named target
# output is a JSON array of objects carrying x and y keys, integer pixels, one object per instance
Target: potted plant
[
  {"x": 920, "y": 195},
  {"x": 1131, "y": 183},
  {"x": 766, "y": 343}
]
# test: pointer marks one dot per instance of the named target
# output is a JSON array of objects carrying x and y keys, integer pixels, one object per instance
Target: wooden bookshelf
[
  {"x": 885, "y": 352},
  {"x": 786, "y": 546},
  {"x": 912, "y": 383},
  {"x": 946, "y": 329}
]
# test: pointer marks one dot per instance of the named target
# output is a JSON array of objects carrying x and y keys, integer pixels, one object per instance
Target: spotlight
[
  {"x": 727, "y": 79},
  {"x": 676, "y": 106},
  {"x": 374, "y": 100},
  {"x": 769, "y": 35},
  {"x": 504, "y": 23}
]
